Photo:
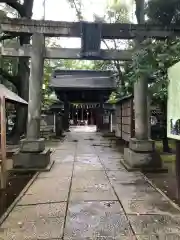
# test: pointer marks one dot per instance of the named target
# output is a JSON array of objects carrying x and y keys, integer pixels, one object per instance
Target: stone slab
[
  {"x": 170, "y": 236},
  {"x": 34, "y": 145},
  {"x": 42, "y": 228},
  {"x": 42, "y": 185},
  {"x": 92, "y": 195},
  {"x": 134, "y": 191},
  {"x": 96, "y": 220},
  {"x": 155, "y": 224},
  {"x": 102, "y": 238},
  {"x": 43, "y": 197},
  {"x": 31, "y": 160},
  {"x": 57, "y": 173},
  {"x": 80, "y": 185},
  {"x": 149, "y": 206},
  {"x": 95, "y": 175},
  {"x": 79, "y": 167},
  {"x": 34, "y": 212},
  {"x": 113, "y": 166},
  {"x": 141, "y": 145},
  {"x": 126, "y": 177}
]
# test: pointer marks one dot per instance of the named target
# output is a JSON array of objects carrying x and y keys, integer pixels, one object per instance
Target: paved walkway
[{"x": 89, "y": 195}]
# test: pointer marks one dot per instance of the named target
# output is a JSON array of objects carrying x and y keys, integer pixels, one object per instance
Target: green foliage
[
  {"x": 163, "y": 12},
  {"x": 152, "y": 62},
  {"x": 154, "y": 57}
]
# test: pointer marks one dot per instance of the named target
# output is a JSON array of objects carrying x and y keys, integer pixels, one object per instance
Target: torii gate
[{"x": 33, "y": 145}]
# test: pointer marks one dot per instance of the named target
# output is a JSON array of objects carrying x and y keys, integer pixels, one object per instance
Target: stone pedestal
[
  {"x": 32, "y": 153},
  {"x": 141, "y": 154},
  {"x": 35, "y": 145},
  {"x": 31, "y": 160}
]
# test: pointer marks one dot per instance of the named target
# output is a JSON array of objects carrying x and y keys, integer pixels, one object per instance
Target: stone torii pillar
[
  {"x": 141, "y": 151},
  {"x": 32, "y": 152}
]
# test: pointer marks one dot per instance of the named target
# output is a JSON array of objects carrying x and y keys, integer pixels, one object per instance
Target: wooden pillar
[
  {"x": 66, "y": 114},
  {"x": 178, "y": 168},
  {"x": 82, "y": 111},
  {"x": 100, "y": 114},
  {"x": 3, "y": 173},
  {"x": 110, "y": 122},
  {"x": 91, "y": 116},
  {"x": 54, "y": 122}
]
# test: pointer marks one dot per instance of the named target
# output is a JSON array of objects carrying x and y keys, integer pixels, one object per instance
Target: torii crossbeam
[{"x": 73, "y": 29}]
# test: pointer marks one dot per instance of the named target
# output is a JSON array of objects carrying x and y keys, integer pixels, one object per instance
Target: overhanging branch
[
  {"x": 9, "y": 77},
  {"x": 6, "y": 37},
  {"x": 16, "y": 5}
]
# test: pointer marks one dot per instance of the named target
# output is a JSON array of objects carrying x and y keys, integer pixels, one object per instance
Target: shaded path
[{"x": 89, "y": 195}]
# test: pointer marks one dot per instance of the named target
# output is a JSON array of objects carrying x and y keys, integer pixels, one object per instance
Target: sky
[{"x": 60, "y": 10}]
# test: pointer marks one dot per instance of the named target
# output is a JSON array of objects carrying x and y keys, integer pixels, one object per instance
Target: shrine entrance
[
  {"x": 83, "y": 113},
  {"x": 84, "y": 94},
  {"x": 139, "y": 154}
]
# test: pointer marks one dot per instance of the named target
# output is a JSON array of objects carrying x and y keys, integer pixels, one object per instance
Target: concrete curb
[{"x": 11, "y": 207}]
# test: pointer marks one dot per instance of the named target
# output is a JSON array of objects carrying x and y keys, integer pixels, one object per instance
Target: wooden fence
[{"x": 125, "y": 118}]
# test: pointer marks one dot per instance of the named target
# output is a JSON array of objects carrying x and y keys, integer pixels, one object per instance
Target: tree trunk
[
  {"x": 23, "y": 86},
  {"x": 23, "y": 91}
]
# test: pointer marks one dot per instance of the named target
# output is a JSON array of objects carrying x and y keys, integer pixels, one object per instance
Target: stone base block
[
  {"x": 34, "y": 146},
  {"x": 142, "y": 160},
  {"x": 141, "y": 145},
  {"x": 31, "y": 160}
]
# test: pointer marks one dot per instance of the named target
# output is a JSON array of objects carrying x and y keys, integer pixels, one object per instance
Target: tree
[
  {"x": 77, "y": 5},
  {"x": 163, "y": 12},
  {"x": 155, "y": 57},
  {"x": 21, "y": 79}
]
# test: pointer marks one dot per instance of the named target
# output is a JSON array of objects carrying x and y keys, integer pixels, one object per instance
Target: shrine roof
[
  {"x": 11, "y": 96},
  {"x": 83, "y": 79}
]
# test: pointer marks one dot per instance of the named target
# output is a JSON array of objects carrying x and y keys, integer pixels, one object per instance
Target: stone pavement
[{"x": 89, "y": 195}]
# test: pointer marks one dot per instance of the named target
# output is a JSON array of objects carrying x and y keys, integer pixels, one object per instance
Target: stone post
[{"x": 32, "y": 152}]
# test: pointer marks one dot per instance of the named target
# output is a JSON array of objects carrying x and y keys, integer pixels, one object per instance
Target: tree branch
[
  {"x": 78, "y": 11},
  {"x": 9, "y": 77},
  {"x": 16, "y": 5},
  {"x": 6, "y": 37}
]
